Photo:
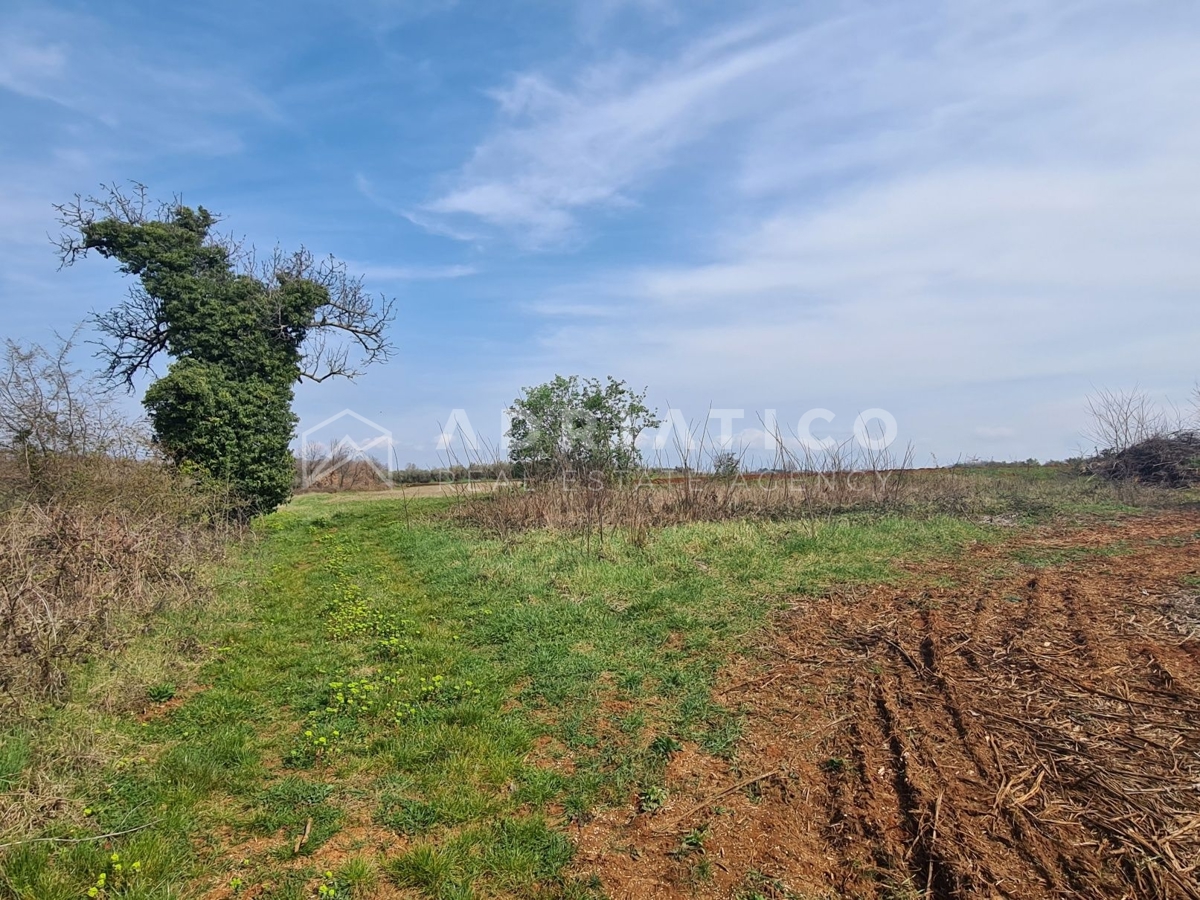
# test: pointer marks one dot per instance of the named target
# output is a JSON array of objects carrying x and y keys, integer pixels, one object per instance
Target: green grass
[
  {"x": 1043, "y": 557},
  {"x": 370, "y": 665}
]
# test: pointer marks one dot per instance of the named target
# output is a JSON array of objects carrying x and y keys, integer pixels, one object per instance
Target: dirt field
[{"x": 1024, "y": 722}]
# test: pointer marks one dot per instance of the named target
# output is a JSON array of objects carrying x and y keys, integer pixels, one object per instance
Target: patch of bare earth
[
  {"x": 151, "y": 712},
  {"x": 1028, "y": 733},
  {"x": 249, "y": 858}
]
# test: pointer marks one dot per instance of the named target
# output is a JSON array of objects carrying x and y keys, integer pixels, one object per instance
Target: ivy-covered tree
[
  {"x": 582, "y": 426},
  {"x": 239, "y": 331}
]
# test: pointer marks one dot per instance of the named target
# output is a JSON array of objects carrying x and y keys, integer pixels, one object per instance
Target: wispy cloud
[
  {"x": 967, "y": 212},
  {"x": 126, "y": 94},
  {"x": 86, "y": 101},
  {"x": 791, "y": 101},
  {"x": 560, "y": 150},
  {"x": 27, "y": 69},
  {"x": 952, "y": 201},
  {"x": 595, "y": 16},
  {"x": 412, "y": 273},
  {"x": 432, "y": 224}
]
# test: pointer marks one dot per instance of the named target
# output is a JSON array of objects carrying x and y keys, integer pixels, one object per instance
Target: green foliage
[
  {"x": 482, "y": 730},
  {"x": 224, "y": 407},
  {"x": 665, "y": 745},
  {"x": 578, "y": 426},
  {"x": 293, "y": 802},
  {"x": 237, "y": 432},
  {"x": 15, "y": 754},
  {"x": 652, "y": 798},
  {"x": 235, "y": 328},
  {"x": 726, "y": 464},
  {"x": 161, "y": 693}
]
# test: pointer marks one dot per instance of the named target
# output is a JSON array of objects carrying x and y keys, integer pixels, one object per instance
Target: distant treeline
[{"x": 412, "y": 474}]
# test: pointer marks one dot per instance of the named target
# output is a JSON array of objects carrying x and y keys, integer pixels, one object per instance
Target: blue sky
[{"x": 967, "y": 213}]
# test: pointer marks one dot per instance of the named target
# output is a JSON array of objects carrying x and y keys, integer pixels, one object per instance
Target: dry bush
[
  {"x": 46, "y": 407},
  {"x": 809, "y": 487},
  {"x": 1120, "y": 419},
  {"x": 95, "y": 532},
  {"x": 811, "y": 499},
  {"x": 813, "y": 491},
  {"x": 77, "y": 574}
]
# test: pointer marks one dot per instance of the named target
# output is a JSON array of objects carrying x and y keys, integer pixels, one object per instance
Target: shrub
[
  {"x": 726, "y": 464},
  {"x": 95, "y": 531},
  {"x": 578, "y": 426}
]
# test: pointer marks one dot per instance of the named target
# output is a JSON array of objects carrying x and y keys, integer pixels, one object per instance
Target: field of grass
[{"x": 380, "y": 702}]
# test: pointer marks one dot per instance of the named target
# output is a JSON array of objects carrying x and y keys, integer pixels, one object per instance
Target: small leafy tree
[
  {"x": 240, "y": 332},
  {"x": 578, "y": 425},
  {"x": 726, "y": 464}
]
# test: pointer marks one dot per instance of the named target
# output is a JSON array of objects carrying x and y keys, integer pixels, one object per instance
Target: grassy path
[{"x": 389, "y": 705}]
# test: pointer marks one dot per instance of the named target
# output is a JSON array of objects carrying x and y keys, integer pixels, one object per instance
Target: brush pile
[{"x": 1169, "y": 460}]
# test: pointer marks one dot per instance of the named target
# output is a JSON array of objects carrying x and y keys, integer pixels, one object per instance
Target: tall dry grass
[
  {"x": 811, "y": 488},
  {"x": 85, "y": 567},
  {"x": 96, "y": 532},
  {"x": 706, "y": 484}
]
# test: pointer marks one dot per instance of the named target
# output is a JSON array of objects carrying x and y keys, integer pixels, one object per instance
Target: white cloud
[
  {"x": 25, "y": 69},
  {"x": 560, "y": 151},
  {"x": 921, "y": 209},
  {"x": 995, "y": 432},
  {"x": 412, "y": 273},
  {"x": 138, "y": 97}
]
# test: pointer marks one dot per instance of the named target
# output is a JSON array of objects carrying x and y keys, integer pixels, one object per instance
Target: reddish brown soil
[
  {"x": 152, "y": 711},
  {"x": 1027, "y": 733},
  {"x": 356, "y": 840}
]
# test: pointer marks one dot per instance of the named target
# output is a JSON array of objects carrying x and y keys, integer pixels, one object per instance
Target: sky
[{"x": 970, "y": 214}]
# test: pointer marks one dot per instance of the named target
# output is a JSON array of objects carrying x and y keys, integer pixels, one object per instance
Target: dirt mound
[{"x": 1026, "y": 733}]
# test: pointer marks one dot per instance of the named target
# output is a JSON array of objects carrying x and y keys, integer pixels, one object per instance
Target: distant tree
[
  {"x": 578, "y": 425},
  {"x": 726, "y": 464},
  {"x": 240, "y": 332}
]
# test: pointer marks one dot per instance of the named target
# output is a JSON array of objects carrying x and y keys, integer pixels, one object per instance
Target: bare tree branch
[
  {"x": 348, "y": 331},
  {"x": 114, "y": 202},
  {"x": 1121, "y": 419},
  {"x": 47, "y": 406},
  {"x": 138, "y": 335}
]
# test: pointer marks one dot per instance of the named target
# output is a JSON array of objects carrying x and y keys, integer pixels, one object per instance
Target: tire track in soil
[{"x": 1028, "y": 736}]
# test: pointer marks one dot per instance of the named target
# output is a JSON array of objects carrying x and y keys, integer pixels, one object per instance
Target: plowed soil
[{"x": 992, "y": 729}]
